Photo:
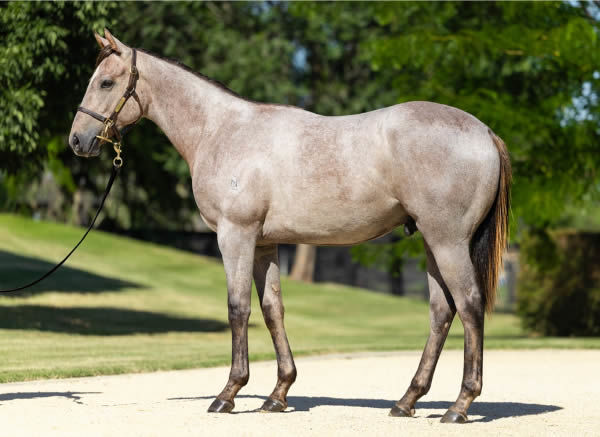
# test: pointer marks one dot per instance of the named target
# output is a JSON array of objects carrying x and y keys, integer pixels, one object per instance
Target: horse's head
[{"x": 107, "y": 87}]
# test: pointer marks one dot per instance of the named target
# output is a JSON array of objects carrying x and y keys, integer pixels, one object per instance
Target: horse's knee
[{"x": 239, "y": 310}]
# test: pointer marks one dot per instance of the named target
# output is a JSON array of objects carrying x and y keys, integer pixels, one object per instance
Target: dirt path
[{"x": 525, "y": 393}]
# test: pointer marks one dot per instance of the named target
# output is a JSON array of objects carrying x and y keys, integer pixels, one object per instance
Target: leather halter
[{"x": 110, "y": 122}]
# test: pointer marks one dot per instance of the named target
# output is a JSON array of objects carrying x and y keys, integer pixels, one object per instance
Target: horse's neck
[{"x": 188, "y": 109}]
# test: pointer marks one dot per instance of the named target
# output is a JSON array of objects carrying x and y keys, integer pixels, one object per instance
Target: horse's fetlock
[
  {"x": 240, "y": 378},
  {"x": 473, "y": 388},
  {"x": 420, "y": 388},
  {"x": 287, "y": 375}
]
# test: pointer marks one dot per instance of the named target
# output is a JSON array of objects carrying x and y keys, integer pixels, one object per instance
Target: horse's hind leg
[
  {"x": 441, "y": 313},
  {"x": 458, "y": 272},
  {"x": 266, "y": 278}
]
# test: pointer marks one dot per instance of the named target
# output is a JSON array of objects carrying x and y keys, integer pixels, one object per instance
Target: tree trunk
[
  {"x": 304, "y": 263},
  {"x": 77, "y": 207},
  {"x": 397, "y": 280}
]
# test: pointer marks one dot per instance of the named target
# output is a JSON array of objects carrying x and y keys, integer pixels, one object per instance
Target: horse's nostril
[{"x": 75, "y": 141}]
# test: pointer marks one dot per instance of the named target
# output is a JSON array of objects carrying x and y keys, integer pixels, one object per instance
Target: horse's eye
[{"x": 107, "y": 84}]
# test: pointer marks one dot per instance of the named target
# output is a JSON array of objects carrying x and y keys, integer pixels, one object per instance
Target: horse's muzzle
[{"x": 86, "y": 145}]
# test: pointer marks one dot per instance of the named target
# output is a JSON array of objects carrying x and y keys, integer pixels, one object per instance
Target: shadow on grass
[
  {"x": 489, "y": 410},
  {"x": 100, "y": 321},
  {"x": 17, "y": 270},
  {"x": 75, "y": 396}
]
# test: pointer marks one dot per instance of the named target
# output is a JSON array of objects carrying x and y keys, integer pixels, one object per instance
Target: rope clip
[{"x": 118, "y": 161}]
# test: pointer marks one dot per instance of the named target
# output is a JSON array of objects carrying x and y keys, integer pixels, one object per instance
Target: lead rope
[{"x": 117, "y": 164}]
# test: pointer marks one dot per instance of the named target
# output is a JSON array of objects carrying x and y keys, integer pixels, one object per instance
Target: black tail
[{"x": 490, "y": 239}]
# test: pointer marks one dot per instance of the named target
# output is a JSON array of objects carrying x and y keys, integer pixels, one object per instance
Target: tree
[
  {"x": 531, "y": 72},
  {"x": 42, "y": 55}
]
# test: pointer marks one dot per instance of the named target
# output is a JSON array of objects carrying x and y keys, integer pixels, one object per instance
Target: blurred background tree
[
  {"x": 530, "y": 71},
  {"x": 44, "y": 55}
]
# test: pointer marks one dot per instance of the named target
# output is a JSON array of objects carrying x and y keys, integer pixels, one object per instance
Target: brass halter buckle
[{"x": 105, "y": 136}]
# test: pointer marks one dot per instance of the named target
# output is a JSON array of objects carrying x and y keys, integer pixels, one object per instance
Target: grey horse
[{"x": 265, "y": 174}]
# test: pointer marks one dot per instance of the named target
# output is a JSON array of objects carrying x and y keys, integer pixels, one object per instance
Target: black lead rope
[{"x": 113, "y": 175}]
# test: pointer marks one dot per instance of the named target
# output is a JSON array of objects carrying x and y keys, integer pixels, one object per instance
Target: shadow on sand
[
  {"x": 489, "y": 410},
  {"x": 75, "y": 396},
  {"x": 17, "y": 270}
]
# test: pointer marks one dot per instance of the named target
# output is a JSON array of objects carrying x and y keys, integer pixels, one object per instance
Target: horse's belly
[{"x": 332, "y": 224}]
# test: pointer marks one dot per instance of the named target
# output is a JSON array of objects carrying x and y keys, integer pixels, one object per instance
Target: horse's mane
[
  {"x": 181, "y": 65},
  {"x": 107, "y": 50}
]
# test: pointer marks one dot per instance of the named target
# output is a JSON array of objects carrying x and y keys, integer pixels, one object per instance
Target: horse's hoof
[
  {"x": 454, "y": 417},
  {"x": 273, "y": 406},
  {"x": 220, "y": 406},
  {"x": 397, "y": 411}
]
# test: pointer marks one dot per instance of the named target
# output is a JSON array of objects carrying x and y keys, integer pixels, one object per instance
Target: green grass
[{"x": 121, "y": 305}]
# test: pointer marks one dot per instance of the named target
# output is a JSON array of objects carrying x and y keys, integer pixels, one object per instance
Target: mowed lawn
[{"x": 121, "y": 305}]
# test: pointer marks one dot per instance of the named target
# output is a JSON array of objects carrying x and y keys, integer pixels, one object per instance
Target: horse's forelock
[{"x": 105, "y": 52}]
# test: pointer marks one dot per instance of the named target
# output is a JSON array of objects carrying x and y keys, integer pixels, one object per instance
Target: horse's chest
[{"x": 207, "y": 202}]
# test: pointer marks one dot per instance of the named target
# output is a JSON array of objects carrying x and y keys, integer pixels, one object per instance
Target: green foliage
[
  {"x": 337, "y": 73},
  {"x": 41, "y": 53},
  {"x": 559, "y": 284}
]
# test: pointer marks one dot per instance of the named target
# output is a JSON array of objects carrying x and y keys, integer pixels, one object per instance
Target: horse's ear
[
  {"x": 101, "y": 41},
  {"x": 117, "y": 45}
]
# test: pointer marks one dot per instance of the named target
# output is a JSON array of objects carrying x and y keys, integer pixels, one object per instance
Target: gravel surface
[{"x": 535, "y": 392}]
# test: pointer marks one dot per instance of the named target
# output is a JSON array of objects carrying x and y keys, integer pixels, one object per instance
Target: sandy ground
[{"x": 525, "y": 393}]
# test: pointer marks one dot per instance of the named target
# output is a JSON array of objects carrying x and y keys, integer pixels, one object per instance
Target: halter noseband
[{"x": 111, "y": 121}]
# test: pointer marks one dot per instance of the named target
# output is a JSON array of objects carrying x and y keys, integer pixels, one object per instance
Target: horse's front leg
[
  {"x": 268, "y": 286},
  {"x": 237, "y": 245}
]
